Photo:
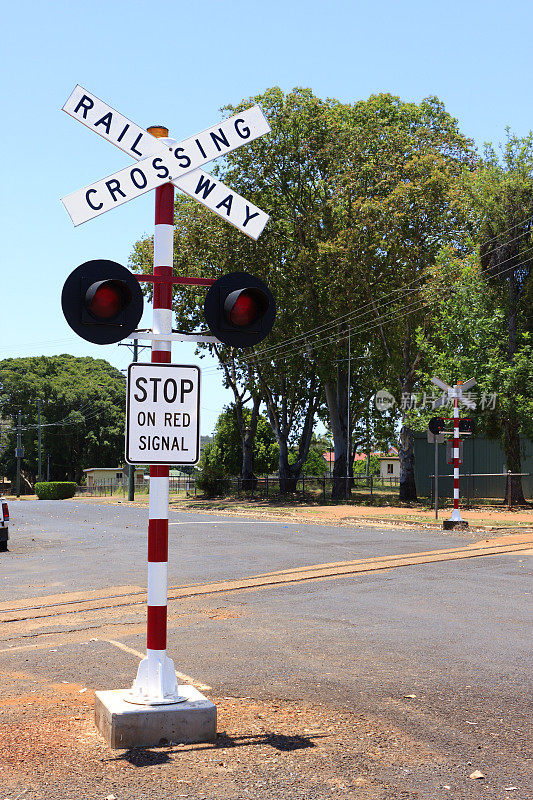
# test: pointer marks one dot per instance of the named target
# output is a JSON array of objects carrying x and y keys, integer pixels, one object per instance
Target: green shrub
[
  {"x": 212, "y": 484},
  {"x": 55, "y": 490},
  {"x": 212, "y": 479}
]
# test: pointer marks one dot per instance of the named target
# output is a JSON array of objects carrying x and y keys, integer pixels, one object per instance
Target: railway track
[{"x": 34, "y": 609}]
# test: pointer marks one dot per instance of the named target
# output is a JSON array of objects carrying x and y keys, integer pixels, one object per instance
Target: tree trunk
[
  {"x": 406, "y": 452},
  {"x": 26, "y": 483},
  {"x": 246, "y": 432},
  {"x": 279, "y": 418},
  {"x": 514, "y": 493},
  {"x": 288, "y": 476},
  {"x": 337, "y": 400},
  {"x": 249, "y": 481}
]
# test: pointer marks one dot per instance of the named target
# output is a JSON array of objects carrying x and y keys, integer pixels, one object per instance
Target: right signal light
[{"x": 240, "y": 309}]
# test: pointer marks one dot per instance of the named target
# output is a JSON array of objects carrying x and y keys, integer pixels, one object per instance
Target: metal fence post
[{"x": 267, "y": 486}]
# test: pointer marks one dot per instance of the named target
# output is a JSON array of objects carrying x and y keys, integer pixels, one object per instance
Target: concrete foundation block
[{"x": 124, "y": 725}]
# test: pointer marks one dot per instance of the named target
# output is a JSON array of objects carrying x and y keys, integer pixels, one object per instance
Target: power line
[
  {"x": 389, "y": 316},
  {"x": 49, "y": 343},
  {"x": 283, "y": 347},
  {"x": 510, "y": 228}
]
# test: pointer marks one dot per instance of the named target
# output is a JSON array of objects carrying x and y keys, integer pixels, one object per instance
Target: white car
[{"x": 4, "y": 519}]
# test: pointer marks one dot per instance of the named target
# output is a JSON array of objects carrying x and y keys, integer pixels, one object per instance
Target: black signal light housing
[
  {"x": 436, "y": 425},
  {"x": 102, "y": 301},
  {"x": 466, "y": 425},
  {"x": 240, "y": 309}
]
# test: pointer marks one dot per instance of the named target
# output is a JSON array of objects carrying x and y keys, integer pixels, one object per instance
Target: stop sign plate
[{"x": 163, "y": 414}]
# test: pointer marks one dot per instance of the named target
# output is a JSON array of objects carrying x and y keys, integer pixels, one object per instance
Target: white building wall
[{"x": 383, "y": 471}]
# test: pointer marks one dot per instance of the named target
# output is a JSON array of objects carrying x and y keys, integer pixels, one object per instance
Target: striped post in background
[
  {"x": 156, "y": 682},
  {"x": 456, "y": 514}
]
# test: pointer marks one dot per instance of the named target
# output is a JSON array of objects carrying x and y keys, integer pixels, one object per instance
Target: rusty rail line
[{"x": 30, "y": 610}]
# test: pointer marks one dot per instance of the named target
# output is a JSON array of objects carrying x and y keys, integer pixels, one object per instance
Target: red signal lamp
[
  {"x": 244, "y": 307},
  {"x": 106, "y": 299}
]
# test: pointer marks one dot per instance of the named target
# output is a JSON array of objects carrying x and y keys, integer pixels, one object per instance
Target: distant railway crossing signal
[{"x": 455, "y": 393}]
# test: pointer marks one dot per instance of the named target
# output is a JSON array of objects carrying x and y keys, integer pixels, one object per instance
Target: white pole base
[
  {"x": 456, "y": 515},
  {"x": 156, "y": 683}
]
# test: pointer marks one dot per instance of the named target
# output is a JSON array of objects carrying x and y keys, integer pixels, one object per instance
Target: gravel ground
[{"x": 50, "y": 750}]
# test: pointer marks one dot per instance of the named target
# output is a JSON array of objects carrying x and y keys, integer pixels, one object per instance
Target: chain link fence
[
  {"x": 308, "y": 487},
  {"x": 488, "y": 488},
  {"x": 475, "y": 488}
]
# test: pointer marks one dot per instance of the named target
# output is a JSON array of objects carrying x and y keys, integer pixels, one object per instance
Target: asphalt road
[
  {"x": 440, "y": 652},
  {"x": 70, "y": 546}
]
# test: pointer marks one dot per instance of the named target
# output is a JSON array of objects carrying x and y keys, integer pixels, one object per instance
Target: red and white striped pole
[
  {"x": 456, "y": 514},
  {"x": 156, "y": 682}
]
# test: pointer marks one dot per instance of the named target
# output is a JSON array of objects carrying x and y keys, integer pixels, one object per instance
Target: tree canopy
[
  {"x": 82, "y": 414},
  {"x": 373, "y": 204}
]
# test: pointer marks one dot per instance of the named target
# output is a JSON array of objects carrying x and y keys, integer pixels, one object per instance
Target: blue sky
[{"x": 176, "y": 64}]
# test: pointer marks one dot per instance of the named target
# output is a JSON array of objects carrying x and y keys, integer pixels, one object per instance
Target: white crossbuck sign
[
  {"x": 163, "y": 160},
  {"x": 449, "y": 392}
]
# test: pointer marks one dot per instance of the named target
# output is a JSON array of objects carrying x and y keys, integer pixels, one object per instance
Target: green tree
[
  {"x": 280, "y": 173},
  {"x": 361, "y": 199},
  {"x": 295, "y": 171},
  {"x": 501, "y": 198},
  {"x": 82, "y": 415},
  {"x": 223, "y": 457},
  {"x": 398, "y": 192},
  {"x": 469, "y": 338}
]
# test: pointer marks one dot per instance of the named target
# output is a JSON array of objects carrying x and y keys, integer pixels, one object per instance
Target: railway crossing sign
[
  {"x": 163, "y": 414},
  {"x": 451, "y": 392},
  {"x": 163, "y": 402},
  {"x": 162, "y": 160}
]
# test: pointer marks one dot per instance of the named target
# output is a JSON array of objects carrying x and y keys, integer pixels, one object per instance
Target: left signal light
[{"x": 102, "y": 301}]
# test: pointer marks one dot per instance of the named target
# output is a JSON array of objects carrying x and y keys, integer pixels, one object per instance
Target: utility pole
[
  {"x": 436, "y": 477},
  {"x": 39, "y": 470},
  {"x": 367, "y": 470},
  {"x": 348, "y": 445},
  {"x": 19, "y": 451}
]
